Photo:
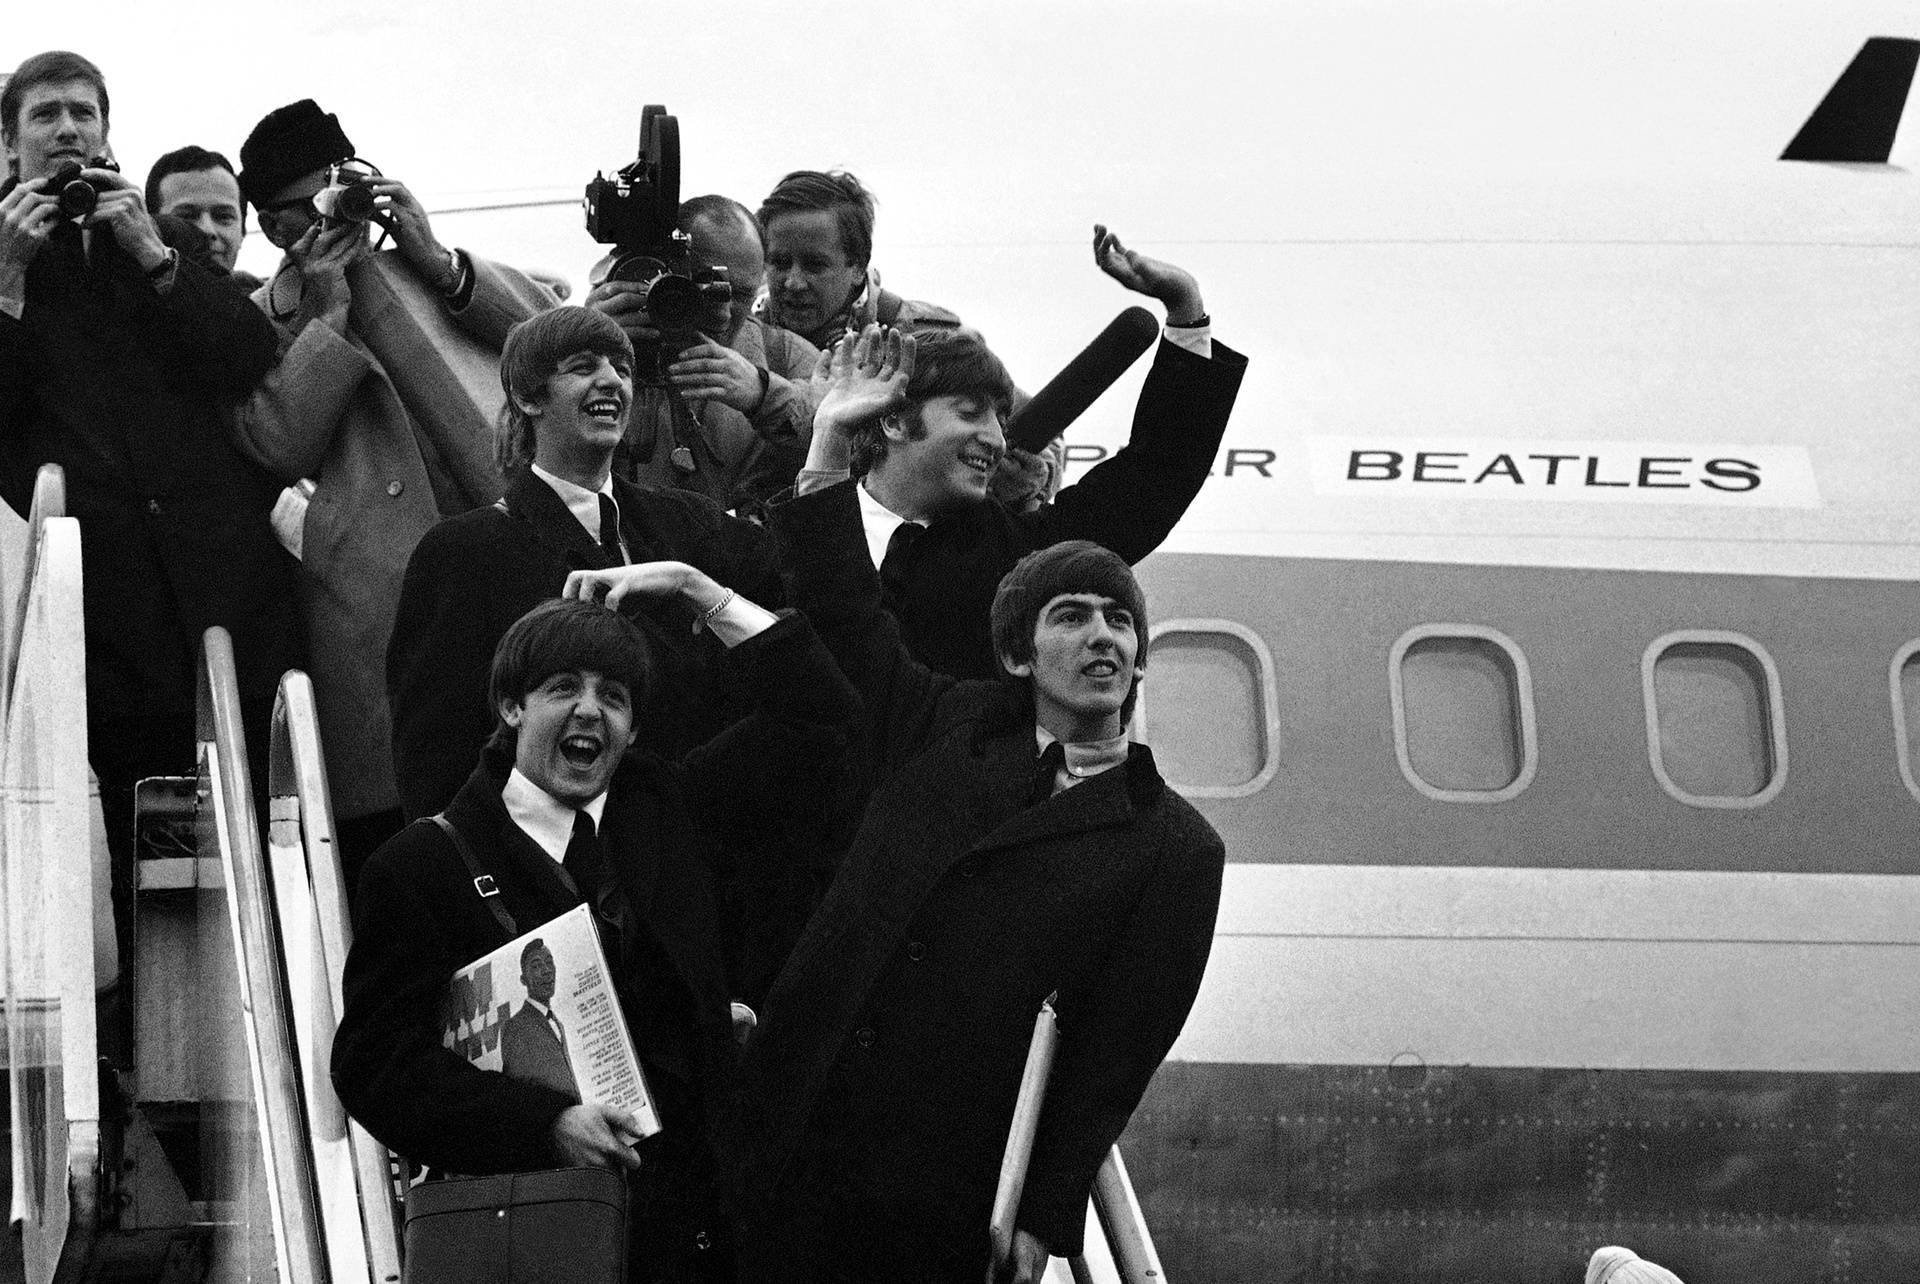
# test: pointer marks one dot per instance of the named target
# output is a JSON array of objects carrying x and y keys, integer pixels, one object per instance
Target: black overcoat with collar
[
  {"x": 473, "y": 575},
  {"x": 891, "y": 1047},
  {"x": 669, "y": 827}
]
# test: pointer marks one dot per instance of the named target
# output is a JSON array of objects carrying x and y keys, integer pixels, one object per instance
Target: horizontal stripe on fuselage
[{"x": 1625, "y": 969}]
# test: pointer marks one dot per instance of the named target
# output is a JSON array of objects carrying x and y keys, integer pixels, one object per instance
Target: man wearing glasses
[{"x": 363, "y": 419}]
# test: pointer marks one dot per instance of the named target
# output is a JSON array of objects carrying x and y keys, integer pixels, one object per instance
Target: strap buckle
[{"x": 485, "y": 885}]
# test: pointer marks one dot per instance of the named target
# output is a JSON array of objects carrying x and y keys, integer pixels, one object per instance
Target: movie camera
[{"x": 637, "y": 211}]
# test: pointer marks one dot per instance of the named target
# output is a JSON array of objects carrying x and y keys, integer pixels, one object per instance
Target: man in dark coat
[
  {"x": 925, "y": 468},
  {"x": 559, "y": 813},
  {"x": 120, "y": 360},
  {"x": 471, "y": 576},
  {"x": 1015, "y": 845}
]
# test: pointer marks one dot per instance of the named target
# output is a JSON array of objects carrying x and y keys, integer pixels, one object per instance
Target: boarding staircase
[{"x": 222, "y": 1153}]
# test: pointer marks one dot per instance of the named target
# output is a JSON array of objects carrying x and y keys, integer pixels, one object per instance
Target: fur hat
[
  {"x": 290, "y": 142},
  {"x": 1624, "y": 1266}
]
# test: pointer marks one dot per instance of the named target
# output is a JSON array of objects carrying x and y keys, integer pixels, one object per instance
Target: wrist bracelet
[
  {"x": 459, "y": 274},
  {"x": 1195, "y": 324},
  {"x": 706, "y": 617},
  {"x": 158, "y": 271}
]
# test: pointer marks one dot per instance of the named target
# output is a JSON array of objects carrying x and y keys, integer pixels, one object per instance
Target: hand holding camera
[
  {"x": 626, "y": 302},
  {"x": 117, "y": 204},
  {"x": 671, "y": 296},
  {"x": 324, "y": 254},
  {"x": 357, "y": 194},
  {"x": 28, "y": 216},
  {"x": 708, "y": 371},
  {"x": 406, "y": 218}
]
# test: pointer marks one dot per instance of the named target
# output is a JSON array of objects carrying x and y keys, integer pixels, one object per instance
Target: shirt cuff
[
  {"x": 739, "y": 620},
  {"x": 812, "y": 479},
  {"x": 15, "y": 308},
  {"x": 1197, "y": 339}
]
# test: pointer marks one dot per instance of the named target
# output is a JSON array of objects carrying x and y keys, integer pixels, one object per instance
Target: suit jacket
[
  {"x": 529, "y": 1049},
  {"x": 890, "y": 1050},
  {"x": 941, "y": 586},
  {"x": 667, "y": 826},
  {"x": 129, "y": 390},
  {"x": 330, "y": 412},
  {"x": 473, "y": 575}
]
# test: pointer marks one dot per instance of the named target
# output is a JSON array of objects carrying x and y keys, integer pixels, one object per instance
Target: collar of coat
[
  {"x": 478, "y": 808},
  {"x": 1007, "y": 711}
]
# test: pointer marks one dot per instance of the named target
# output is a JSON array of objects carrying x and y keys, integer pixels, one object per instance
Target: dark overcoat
[
  {"x": 890, "y": 1052},
  {"x": 131, "y": 392},
  {"x": 668, "y": 826}
]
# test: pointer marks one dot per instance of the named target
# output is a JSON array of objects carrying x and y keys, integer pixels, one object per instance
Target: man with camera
[
  {"x": 120, "y": 360},
  {"x": 731, "y": 416},
  {"x": 365, "y": 419}
]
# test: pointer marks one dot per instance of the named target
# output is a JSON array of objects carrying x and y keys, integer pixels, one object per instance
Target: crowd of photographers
[{"x": 849, "y": 752}]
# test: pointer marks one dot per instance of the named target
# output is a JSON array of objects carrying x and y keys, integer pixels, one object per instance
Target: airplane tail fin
[{"x": 1858, "y": 118}]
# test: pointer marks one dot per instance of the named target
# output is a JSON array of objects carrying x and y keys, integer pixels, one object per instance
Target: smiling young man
[
  {"x": 928, "y": 463},
  {"x": 1015, "y": 845},
  {"x": 820, "y": 284},
  {"x": 563, "y": 810},
  {"x": 568, "y": 376}
]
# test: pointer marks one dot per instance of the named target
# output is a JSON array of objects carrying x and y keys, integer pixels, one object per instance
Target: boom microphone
[{"x": 1084, "y": 378}]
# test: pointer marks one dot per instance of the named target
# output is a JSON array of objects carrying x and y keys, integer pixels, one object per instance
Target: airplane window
[
  {"x": 1716, "y": 733},
  {"x": 1462, "y": 713},
  {"x": 1906, "y": 714},
  {"x": 1209, "y": 708}
]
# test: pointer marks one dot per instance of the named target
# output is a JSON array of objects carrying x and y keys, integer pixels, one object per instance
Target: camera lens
[
  {"x": 355, "y": 204},
  {"x": 675, "y": 303},
  {"x": 76, "y": 196}
]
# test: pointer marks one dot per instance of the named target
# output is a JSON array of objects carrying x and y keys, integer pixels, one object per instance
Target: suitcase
[{"x": 558, "y": 1226}]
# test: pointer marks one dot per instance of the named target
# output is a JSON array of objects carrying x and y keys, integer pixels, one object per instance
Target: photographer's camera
[
  {"x": 77, "y": 194},
  {"x": 348, "y": 196},
  {"x": 637, "y": 212}
]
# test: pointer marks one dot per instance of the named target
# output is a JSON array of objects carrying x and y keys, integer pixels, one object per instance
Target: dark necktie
[
  {"x": 610, "y": 530},
  {"x": 67, "y": 241},
  {"x": 895, "y": 573},
  {"x": 1046, "y": 773},
  {"x": 586, "y": 860}
]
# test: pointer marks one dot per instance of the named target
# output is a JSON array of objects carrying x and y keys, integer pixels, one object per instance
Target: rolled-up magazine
[
  {"x": 543, "y": 1008},
  {"x": 1026, "y": 1122}
]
